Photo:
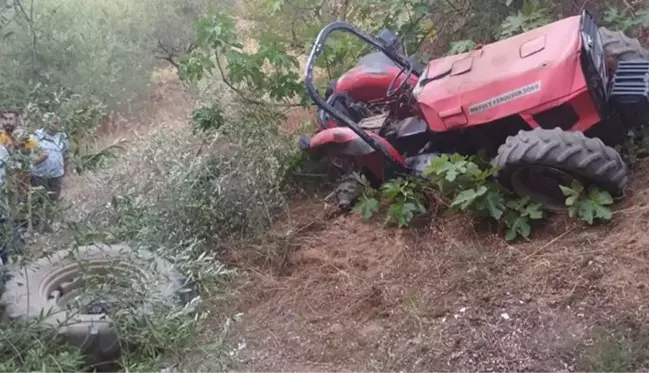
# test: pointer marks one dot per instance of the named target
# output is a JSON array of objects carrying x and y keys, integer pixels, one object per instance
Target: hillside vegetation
[{"x": 184, "y": 117}]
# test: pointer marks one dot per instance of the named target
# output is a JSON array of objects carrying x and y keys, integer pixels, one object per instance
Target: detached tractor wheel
[
  {"x": 535, "y": 163},
  {"x": 619, "y": 47},
  {"x": 53, "y": 287}
]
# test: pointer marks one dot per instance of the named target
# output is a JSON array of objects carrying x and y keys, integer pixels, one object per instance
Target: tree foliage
[{"x": 92, "y": 48}]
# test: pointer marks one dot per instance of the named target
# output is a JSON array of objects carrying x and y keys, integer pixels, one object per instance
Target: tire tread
[{"x": 567, "y": 150}]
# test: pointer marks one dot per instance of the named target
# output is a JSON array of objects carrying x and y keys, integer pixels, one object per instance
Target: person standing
[
  {"x": 24, "y": 151},
  {"x": 49, "y": 174},
  {"x": 10, "y": 136}
]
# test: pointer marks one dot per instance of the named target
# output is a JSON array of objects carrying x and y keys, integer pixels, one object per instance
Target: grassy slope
[{"x": 449, "y": 296}]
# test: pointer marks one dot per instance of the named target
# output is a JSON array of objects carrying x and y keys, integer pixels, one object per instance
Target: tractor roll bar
[{"x": 317, "y": 50}]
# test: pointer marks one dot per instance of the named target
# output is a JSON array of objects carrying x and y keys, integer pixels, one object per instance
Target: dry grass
[
  {"x": 295, "y": 119},
  {"x": 158, "y": 136},
  {"x": 346, "y": 295}
]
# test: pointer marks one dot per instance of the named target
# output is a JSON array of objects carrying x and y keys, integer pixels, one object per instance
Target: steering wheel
[{"x": 408, "y": 70}]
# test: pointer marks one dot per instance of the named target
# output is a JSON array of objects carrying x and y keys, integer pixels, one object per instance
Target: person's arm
[{"x": 38, "y": 154}]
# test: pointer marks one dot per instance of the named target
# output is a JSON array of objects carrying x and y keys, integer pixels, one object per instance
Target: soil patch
[{"x": 448, "y": 296}]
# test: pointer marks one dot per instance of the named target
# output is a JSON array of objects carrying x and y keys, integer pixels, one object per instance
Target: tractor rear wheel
[
  {"x": 535, "y": 163},
  {"x": 619, "y": 47}
]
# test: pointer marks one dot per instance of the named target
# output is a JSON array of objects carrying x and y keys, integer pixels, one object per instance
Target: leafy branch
[
  {"x": 270, "y": 71},
  {"x": 471, "y": 186},
  {"x": 404, "y": 198},
  {"x": 532, "y": 15}
]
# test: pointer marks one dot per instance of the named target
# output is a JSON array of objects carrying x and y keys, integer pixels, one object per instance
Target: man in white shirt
[{"x": 49, "y": 174}]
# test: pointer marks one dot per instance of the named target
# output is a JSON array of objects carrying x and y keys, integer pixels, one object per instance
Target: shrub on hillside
[
  {"x": 204, "y": 192},
  {"x": 95, "y": 48}
]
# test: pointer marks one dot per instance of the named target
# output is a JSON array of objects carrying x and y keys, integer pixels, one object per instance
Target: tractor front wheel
[
  {"x": 619, "y": 47},
  {"x": 535, "y": 163}
]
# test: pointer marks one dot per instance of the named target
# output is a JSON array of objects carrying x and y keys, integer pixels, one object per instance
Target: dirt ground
[{"x": 354, "y": 296}]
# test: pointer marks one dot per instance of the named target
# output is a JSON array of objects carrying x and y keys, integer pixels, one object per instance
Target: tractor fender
[{"x": 343, "y": 141}]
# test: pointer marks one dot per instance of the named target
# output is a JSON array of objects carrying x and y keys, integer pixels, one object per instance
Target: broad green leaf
[
  {"x": 570, "y": 201},
  {"x": 510, "y": 234},
  {"x": 576, "y": 186},
  {"x": 534, "y": 211},
  {"x": 451, "y": 174},
  {"x": 601, "y": 197},
  {"x": 602, "y": 212},
  {"x": 517, "y": 204},
  {"x": 419, "y": 207},
  {"x": 513, "y": 24},
  {"x": 518, "y": 226},
  {"x": 587, "y": 211},
  {"x": 367, "y": 207},
  {"x": 466, "y": 197},
  {"x": 494, "y": 203},
  {"x": 392, "y": 189},
  {"x": 401, "y": 213},
  {"x": 461, "y": 46},
  {"x": 572, "y": 193},
  {"x": 473, "y": 169},
  {"x": 436, "y": 164},
  {"x": 566, "y": 191},
  {"x": 410, "y": 207}
]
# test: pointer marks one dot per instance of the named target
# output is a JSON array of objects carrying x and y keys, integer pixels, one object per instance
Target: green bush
[
  {"x": 202, "y": 191},
  {"x": 96, "y": 48}
]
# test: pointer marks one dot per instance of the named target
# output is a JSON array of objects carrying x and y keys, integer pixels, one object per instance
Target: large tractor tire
[
  {"x": 534, "y": 163},
  {"x": 619, "y": 47},
  {"x": 50, "y": 286}
]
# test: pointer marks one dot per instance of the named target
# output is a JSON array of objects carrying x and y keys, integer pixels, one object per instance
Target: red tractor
[{"x": 545, "y": 105}]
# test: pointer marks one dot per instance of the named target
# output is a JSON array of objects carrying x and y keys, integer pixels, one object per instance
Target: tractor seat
[
  {"x": 371, "y": 77},
  {"x": 378, "y": 62}
]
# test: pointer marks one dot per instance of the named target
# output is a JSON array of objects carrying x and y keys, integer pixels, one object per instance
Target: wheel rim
[
  {"x": 65, "y": 286},
  {"x": 541, "y": 184}
]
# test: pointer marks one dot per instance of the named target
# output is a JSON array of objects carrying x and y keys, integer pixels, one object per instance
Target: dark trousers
[
  {"x": 51, "y": 185},
  {"x": 44, "y": 204}
]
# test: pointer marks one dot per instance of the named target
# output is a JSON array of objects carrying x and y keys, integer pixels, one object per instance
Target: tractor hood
[{"x": 508, "y": 77}]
